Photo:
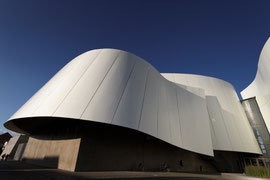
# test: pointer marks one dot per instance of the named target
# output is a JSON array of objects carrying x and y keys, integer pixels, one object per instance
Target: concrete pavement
[{"x": 14, "y": 170}]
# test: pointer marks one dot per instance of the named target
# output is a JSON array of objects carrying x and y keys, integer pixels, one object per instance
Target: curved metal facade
[
  {"x": 230, "y": 128},
  {"x": 115, "y": 87},
  {"x": 260, "y": 87}
]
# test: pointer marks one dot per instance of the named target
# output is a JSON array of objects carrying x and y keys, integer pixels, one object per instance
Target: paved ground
[{"x": 12, "y": 170}]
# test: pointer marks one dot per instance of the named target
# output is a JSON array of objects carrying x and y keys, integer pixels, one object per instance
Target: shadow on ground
[{"x": 14, "y": 170}]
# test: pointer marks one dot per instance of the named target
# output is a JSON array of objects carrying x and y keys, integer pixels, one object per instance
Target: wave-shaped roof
[{"x": 196, "y": 113}]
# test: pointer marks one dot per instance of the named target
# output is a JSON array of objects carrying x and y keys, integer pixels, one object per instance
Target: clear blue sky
[{"x": 215, "y": 38}]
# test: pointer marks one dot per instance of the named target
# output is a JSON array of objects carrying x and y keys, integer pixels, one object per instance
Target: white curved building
[
  {"x": 230, "y": 129},
  {"x": 260, "y": 87},
  {"x": 116, "y": 89},
  {"x": 256, "y": 101}
]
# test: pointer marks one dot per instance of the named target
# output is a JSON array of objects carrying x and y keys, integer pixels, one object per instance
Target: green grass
[{"x": 257, "y": 171}]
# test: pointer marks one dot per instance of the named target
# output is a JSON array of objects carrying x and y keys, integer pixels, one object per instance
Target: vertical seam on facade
[
  {"x": 145, "y": 86},
  {"x": 166, "y": 95},
  {"x": 77, "y": 82},
  {"x": 238, "y": 132},
  {"x": 222, "y": 117},
  {"x": 211, "y": 123},
  {"x": 47, "y": 84},
  {"x": 124, "y": 90},
  {"x": 100, "y": 84},
  {"x": 234, "y": 120},
  {"x": 174, "y": 78},
  {"x": 179, "y": 116}
]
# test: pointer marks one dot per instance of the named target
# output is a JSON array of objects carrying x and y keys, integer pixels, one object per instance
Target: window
[{"x": 181, "y": 163}]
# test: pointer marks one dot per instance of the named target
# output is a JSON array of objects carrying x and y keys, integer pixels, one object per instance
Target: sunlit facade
[{"x": 109, "y": 106}]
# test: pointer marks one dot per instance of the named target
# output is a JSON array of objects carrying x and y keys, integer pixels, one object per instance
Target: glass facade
[{"x": 257, "y": 123}]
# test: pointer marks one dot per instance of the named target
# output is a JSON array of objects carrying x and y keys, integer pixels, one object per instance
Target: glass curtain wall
[{"x": 257, "y": 123}]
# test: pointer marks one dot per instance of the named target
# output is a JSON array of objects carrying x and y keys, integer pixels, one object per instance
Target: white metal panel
[
  {"x": 173, "y": 114},
  {"x": 232, "y": 113},
  {"x": 194, "y": 119},
  {"x": 109, "y": 93},
  {"x": 129, "y": 110},
  {"x": 67, "y": 82},
  {"x": 232, "y": 131},
  {"x": 80, "y": 95},
  {"x": 37, "y": 100},
  {"x": 197, "y": 91},
  {"x": 243, "y": 127},
  {"x": 229, "y": 117},
  {"x": 169, "y": 76},
  {"x": 148, "y": 122},
  {"x": 164, "y": 129},
  {"x": 180, "y": 78},
  {"x": 216, "y": 119}
]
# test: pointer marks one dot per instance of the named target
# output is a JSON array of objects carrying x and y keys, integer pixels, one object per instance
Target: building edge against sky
[
  {"x": 260, "y": 87},
  {"x": 256, "y": 101},
  {"x": 192, "y": 115}
]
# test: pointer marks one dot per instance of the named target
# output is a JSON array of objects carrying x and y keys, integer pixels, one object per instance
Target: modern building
[
  {"x": 256, "y": 102},
  {"x": 4, "y": 138},
  {"x": 15, "y": 147},
  {"x": 108, "y": 109}
]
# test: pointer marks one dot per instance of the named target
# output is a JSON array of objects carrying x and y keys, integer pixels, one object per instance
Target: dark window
[
  {"x": 181, "y": 163},
  {"x": 254, "y": 162},
  {"x": 247, "y": 161},
  {"x": 200, "y": 168},
  {"x": 261, "y": 162}
]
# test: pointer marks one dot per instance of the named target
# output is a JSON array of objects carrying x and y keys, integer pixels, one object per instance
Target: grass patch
[{"x": 257, "y": 171}]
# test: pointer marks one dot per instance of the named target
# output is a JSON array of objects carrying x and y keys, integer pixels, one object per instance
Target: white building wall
[
  {"x": 115, "y": 87},
  {"x": 230, "y": 127},
  {"x": 260, "y": 87}
]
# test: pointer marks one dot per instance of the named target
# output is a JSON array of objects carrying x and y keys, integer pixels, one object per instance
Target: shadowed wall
[{"x": 88, "y": 146}]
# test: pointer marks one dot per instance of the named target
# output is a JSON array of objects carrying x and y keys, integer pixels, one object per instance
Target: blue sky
[{"x": 221, "y": 38}]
